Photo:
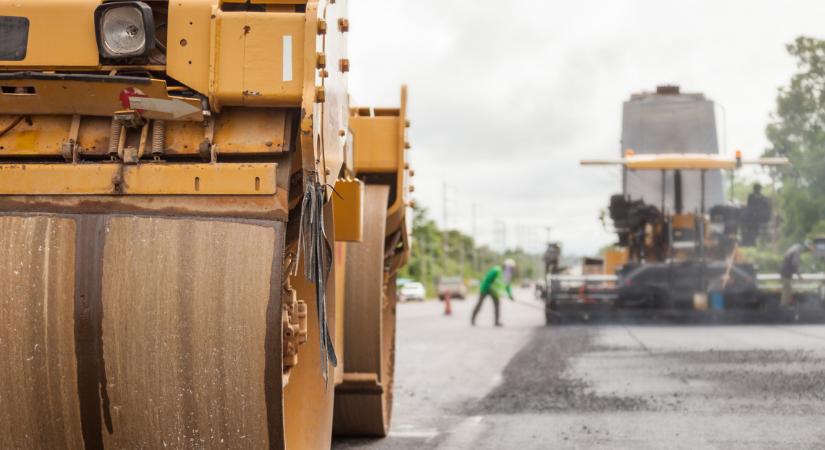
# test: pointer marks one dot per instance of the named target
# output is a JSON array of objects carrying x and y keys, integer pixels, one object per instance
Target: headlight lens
[
  {"x": 125, "y": 29},
  {"x": 123, "y": 32}
]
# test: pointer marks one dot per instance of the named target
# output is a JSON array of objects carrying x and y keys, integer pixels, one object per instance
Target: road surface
[{"x": 636, "y": 386}]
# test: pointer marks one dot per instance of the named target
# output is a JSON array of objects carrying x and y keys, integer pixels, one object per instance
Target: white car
[{"x": 412, "y": 290}]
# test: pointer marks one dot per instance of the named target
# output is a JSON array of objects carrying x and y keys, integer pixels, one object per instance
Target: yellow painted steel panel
[
  {"x": 273, "y": 59},
  {"x": 680, "y": 162},
  {"x": 74, "y": 95},
  {"x": 44, "y": 136},
  {"x": 226, "y": 82},
  {"x": 57, "y": 179},
  {"x": 61, "y": 32},
  {"x": 380, "y": 140},
  {"x": 376, "y": 144},
  {"x": 143, "y": 179},
  {"x": 188, "y": 43},
  {"x": 684, "y": 161},
  {"x": 335, "y": 106},
  {"x": 185, "y": 331},
  {"x": 348, "y": 210},
  {"x": 38, "y": 376},
  {"x": 201, "y": 179},
  {"x": 251, "y": 131},
  {"x": 259, "y": 59}
]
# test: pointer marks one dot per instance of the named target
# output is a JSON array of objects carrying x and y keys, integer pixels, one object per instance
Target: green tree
[
  {"x": 428, "y": 259},
  {"x": 797, "y": 131}
]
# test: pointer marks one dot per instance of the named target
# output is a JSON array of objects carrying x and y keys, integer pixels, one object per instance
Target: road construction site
[{"x": 637, "y": 383}]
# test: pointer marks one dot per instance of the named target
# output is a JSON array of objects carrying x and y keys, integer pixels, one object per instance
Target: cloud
[{"x": 507, "y": 97}]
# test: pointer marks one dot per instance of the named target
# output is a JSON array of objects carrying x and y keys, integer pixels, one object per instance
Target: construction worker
[
  {"x": 790, "y": 267},
  {"x": 495, "y": 284},
  {"x": 755, "y": 216}
]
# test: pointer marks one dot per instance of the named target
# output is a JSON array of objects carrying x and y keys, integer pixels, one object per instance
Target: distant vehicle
[
  {"x": 454, "y": 286},
  {"x": 525, "y": 284},
  {"x": 412, "y": 291},
  {"x": 399, "y": 283}
]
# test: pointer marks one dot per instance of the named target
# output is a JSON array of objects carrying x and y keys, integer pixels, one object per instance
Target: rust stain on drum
[
  {"x": 39, "y": 407},
  {"x": 185, "y": 307},
  {"x": 95, "y": 410}
]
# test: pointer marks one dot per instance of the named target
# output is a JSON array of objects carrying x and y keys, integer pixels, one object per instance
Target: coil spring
[
  {"x": 158, "y": 137},
  {"x": 114, "y": 136}
]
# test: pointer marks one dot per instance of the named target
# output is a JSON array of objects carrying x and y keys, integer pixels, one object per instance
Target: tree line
[
  {"x": 796, "y": 130},
  {"x": 436, "y": 252}
]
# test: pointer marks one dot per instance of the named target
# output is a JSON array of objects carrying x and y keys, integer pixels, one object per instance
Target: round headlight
[{"x": 125, "y": 29}]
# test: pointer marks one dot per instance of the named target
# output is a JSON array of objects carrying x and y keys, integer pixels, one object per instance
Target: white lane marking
[
  {"x": 465, "y": 434},
  {"x": 287, "y": 58},
  {"x": 414, "y": 434}
]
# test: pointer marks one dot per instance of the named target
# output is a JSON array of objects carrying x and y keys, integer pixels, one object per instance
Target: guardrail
[{"x": 762, "y": 277}]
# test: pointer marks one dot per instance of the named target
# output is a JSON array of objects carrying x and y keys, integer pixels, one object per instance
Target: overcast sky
[{"x": 507, "y": 96}]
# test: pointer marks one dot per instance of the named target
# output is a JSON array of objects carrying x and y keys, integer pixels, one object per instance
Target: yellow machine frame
[{"x": 249, "y": 110}]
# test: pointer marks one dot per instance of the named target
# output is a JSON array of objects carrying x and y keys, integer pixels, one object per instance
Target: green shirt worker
[{"x": 495, "y": 284}]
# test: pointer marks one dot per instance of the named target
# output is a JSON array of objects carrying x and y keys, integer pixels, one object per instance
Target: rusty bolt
[
  {"x": 321, "y": 60},
  {"x": 412, "y": 173},
  {"x": 412, "y": 188},
  {"x": 322, "y": 26},
  {"x": 407, "y": 145},
  {"x": 268, "y": 143},
  {"x": 344, "y": 65},
  {"x": 342, "y": 133},
  {"x": 343, "y": 25},
  {"x": 323, "y": 73},
  {"x": 320, "y": 94},
  {"x": 327, "y": 172},
  {"x": 406, "y": 166},
  {"x": 411, "y": 204},
  {"x": 407, "y": 124}
]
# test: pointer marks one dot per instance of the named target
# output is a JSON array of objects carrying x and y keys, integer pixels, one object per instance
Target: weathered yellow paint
[
  {"x": 251, "y": 131},
  {"x": 57, "y": 179},
  {"x": 250, "y": 68},
  {"x": 61, "y": 32},
  {"x": 42, "y": 137},
  {"x": 72, "y": 96},
  {"x": 380, "y": 141},
  {"x": 200, "y": 179},
  {"x": 142, "y": 179},
  {"x": 334, "y": 108},
  {"x": 188, "y": 42},
  {"x": 375, "y": 140},
  {"x": 348, "y": 210}
]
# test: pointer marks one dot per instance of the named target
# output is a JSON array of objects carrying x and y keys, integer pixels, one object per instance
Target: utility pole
[
  {"x": 475, "y": 240},
  {"x": 500, "y": 232},
  {"x": 444, "y": 231}
]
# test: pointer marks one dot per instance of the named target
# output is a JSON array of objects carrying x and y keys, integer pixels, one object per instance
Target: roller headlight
[{"x": 124, "y": 29}]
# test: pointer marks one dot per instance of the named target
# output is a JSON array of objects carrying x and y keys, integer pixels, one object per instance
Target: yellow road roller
[{"x": 196, "y": 247}]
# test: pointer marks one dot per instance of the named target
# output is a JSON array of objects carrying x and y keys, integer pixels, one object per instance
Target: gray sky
[{"x": 508, "y": 96}]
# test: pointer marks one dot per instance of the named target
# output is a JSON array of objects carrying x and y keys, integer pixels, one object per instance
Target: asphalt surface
[{"x": 646, "y": 384}]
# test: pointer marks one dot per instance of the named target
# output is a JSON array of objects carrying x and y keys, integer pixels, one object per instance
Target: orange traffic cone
[{"x": 448, "y": 310}]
